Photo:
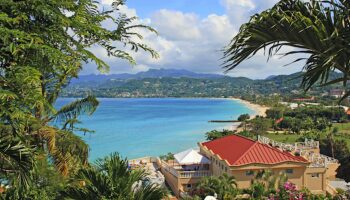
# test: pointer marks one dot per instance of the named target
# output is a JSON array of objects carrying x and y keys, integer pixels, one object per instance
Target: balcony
[
  {"x": 193, "y": 174},
  {"x": 188, "y": 171}
]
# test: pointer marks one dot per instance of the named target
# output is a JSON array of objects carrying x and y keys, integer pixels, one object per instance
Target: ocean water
[{"x": 140, "y": 127}]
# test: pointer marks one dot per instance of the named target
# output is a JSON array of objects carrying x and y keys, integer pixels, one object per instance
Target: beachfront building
[{"x": 242, "y": 158}]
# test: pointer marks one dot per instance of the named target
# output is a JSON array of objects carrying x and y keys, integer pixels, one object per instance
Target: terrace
[
  {"x": 187, "y": 164},
  {"x": 305, "y": 149}
]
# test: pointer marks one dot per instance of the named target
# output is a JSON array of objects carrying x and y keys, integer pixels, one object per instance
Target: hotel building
[{"x": 242, "y": 157}]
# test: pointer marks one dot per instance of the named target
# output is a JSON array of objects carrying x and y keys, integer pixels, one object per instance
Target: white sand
[{"x": 259, "y": 109}]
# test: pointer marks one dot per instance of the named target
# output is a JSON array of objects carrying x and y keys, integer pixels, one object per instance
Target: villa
[{"x": 242, "y": 157}]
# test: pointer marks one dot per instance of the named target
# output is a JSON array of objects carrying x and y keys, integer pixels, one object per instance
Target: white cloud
[
  {"x": 176, "y": 25},
  {"x": 242, "y": 3},
  {"x": 107, "y": 2},
  {"x": 188, "y": 41}
]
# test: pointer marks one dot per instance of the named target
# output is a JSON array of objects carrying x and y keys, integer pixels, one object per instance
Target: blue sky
[
  {"x": 201, "y": 7},
  {"x": 191, "y": 35}
]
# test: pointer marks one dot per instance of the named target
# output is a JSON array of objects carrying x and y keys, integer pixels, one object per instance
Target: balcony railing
[
  {"x": 184, "y": 174},
  {"x": 193, "y": 174},
  {"x": 316, "y": 159}
]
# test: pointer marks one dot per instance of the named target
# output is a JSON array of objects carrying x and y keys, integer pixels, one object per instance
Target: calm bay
[{"x": 139, "y": 127}]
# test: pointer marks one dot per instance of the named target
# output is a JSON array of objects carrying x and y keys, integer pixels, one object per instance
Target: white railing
[
  {"x": 307, "y": 144},
  {"x": 268, "y": 141},
  {"x": 184, "y": 174},
  {"x": 316, "y": 159},
  {"x": 168, "y": 168},
  {"x": 143, "y": 160},
  {"x": 194, "y": 174}
]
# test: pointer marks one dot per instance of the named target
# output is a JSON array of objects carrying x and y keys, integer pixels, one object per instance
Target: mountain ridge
[
  {"x": 183, "y": 83},
  {"x": 151, "y": 73}
]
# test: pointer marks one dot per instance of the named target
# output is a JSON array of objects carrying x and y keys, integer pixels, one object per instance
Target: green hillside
[{"x": 287, "y": 85}]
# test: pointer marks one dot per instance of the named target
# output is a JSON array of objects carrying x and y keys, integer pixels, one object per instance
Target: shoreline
[{"x": 259, "y": 109}]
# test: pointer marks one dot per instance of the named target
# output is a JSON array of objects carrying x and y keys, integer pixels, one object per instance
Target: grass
[
  {"x": 282, "y": 137},
  {"x": 343, "y": 127},
  {"x": 285, "y": 137}
]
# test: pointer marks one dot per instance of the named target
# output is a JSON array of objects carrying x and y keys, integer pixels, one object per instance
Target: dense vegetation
[
  {"x": 287, "y": 85},
  {"x": 316, "y": 32},
  {"x": 43, "y": 46}
]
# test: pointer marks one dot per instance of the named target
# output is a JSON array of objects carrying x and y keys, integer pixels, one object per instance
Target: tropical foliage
[
  {"x": 43, "y": 45},
  {"x": 316, "y": 31},
  {"x": 224, "y": 187},
  {"x": 215, "y": 134},
  {"x": 266, "y": 183},
  {"x": 111, "y": 178}
]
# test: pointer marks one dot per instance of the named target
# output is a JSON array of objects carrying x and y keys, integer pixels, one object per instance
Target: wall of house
[
  {"x": 217, "y": 166},
  {"x": 245, "y": 174},
  {"x": 178, "y": 185},
  {"x": 171, "y": 180},
  {"x": 315, "y": 179},
  {"x": 332, "y": 171},
  {"x": 183, "y": 182}
]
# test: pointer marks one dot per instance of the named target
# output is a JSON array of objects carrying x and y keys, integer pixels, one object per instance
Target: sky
[{"x": 192, "y": 34}]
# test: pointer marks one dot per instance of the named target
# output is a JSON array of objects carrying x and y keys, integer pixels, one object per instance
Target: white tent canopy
[{"x": 190, "y": 157}]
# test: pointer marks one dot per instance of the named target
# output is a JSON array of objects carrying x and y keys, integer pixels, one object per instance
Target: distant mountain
[
  {"x": 270, "y": 77},
  {"x": 183, "y": 83},
  {"x": 152, "y": 73}
]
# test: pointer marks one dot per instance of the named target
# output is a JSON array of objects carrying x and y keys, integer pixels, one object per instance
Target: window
[
  {"x": 188, "y": 186},
  {"x": 315, "y": 175},
  {"x": 289, "y": 171},
  {"x": 226, "y": 169},
  {"x": 249, "y": 173}
]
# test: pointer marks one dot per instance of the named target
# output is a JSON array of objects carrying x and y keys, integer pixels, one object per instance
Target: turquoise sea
[{"x": 139, "y": 127}]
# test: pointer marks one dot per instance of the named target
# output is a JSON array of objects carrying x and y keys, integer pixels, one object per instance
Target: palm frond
[
  {"x": 111, "y": 178},
  {"x": 86, "y": 105},
  {"x": 308, "y": 27},
  {"x": 67, "y": 150},
  {"x": 16, "y": 160}
]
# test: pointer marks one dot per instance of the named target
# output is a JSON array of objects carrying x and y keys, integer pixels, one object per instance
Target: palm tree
[
  {"x": 224, "y": 186},
  {"x": 318, "y": 29},
  {"x": 16, "y": 161},
  {"x": 110, "y": 178},
  {"x": 40, "y": 56},
  {"x": 268, "y": 181},
  {"x": 67, "y": 150}
]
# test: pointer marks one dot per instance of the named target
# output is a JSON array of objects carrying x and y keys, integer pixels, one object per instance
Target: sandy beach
[{"x": 259, "y": 109}]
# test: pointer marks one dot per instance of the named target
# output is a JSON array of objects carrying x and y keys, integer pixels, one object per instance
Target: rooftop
[
  {"x": 190, "y": 157},
  {"x": 239, "y": 150}
]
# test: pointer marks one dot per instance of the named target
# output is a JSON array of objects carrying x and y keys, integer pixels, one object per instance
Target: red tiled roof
[{"x": 239, "y": 150}]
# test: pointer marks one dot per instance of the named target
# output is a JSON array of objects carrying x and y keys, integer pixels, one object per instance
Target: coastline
[{"x": 259, "y": 109}]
